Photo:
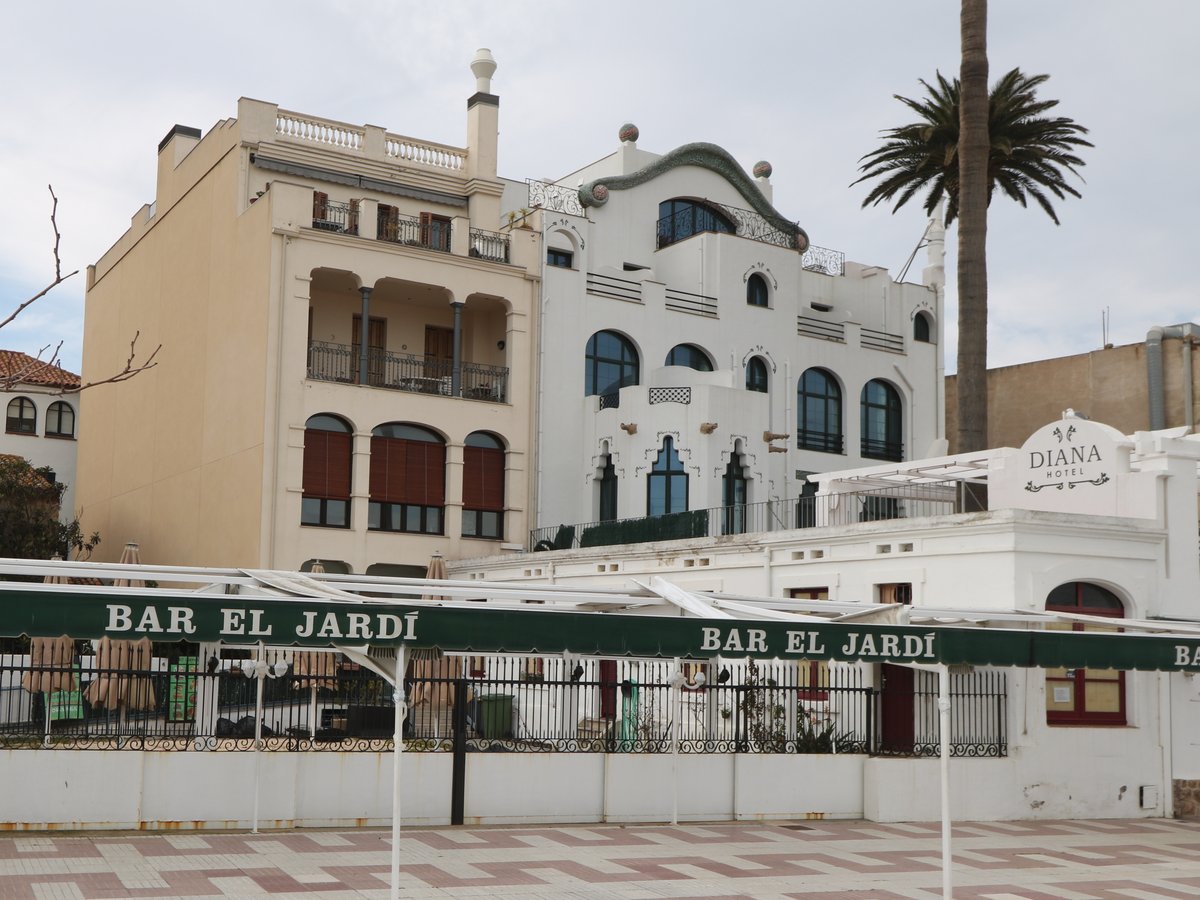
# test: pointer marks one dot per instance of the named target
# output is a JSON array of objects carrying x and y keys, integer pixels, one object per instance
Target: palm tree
[
  {"x": 1028, "y": 157},
  {"x": 1017, "y": 148}
]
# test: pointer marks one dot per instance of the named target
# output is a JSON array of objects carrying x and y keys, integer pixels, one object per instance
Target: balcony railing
[
  {"x": 874, "y": 448},
  {"x": 554, "y": 197},
  {"x": 330, "y": 215},
  {"x": 489, "y": 245},
  {"x": 505, "y": 703},
  {"x": 406, "y": 372},
  {"x": 901, "y": 502},
  {"x": 431, "y": 234}
]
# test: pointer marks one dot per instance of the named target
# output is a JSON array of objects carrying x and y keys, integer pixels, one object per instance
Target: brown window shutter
[
  {"x": 352, "y": 218},
  {"x": 425, "y": 478},
  {"x": 389, "y": 465},
  {"x": 483, "y": 478},
  {"x": 320, "y": 205},
  {"x": 326, "y": 472}
]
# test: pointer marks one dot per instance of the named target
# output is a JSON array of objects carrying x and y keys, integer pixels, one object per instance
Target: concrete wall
[{"x": 1107, "y": 385}]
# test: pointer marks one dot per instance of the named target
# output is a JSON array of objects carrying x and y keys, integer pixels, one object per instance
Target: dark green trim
[{"x": 705, "y": 156}]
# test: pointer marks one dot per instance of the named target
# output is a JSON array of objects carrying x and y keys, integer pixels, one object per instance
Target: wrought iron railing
[
  {"x": 507, "y": 703},
  {"x": 554, "y": 197},
  {"x": 406, "y": 372},
  {"x": 824, "y": 260},
  {"x": 846, "y": 508},
  {"x": 874, "y": 448},
  {"x": 821, "y": 441},
  {"x": 490, "y": 245},
  {"x": 697, "y": 304},
  {"x": 432, "y": 234},
  {"x": 610, "y": 400},
  {"x": 331, "y": 215},
  {"x": 819, "y": 328},
  {"x": 614, "y": 288}
]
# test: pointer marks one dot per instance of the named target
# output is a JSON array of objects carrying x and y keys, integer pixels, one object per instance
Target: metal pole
[
  {"x": 258, "y": 714},
  {"x": 397, "y": 753},
  {"x": 675, "y": 678},
  {"x": 363, "y": 347},
  {"x": 944, "y": 729}
]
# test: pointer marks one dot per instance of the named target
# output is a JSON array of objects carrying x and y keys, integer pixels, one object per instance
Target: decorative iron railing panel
[
  {"x": 614, "y": 288},
  {"x": 554, "y": 197},
  {"x": 978, "y": 716},
  {"x": 852, "y": 507},
  {"x": 696, "y": 304},
  {"x": 609, "y": 401},
  {"x": 490, "y": 245},
  {"x": 821, "y": 441},
  {"x": 509, "y": 703},
  {"x": 406, "y": 372},
  {"x": 871, "y": 339},
  {"x": 670, "y": 395},
  {"x": 873, "y": 448},
  {"x": 819, "y": 328},
  {"x": 824, "y": 261}
]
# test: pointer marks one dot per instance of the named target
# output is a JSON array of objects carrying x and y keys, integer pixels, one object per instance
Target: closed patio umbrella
[
  {"x": 52, "y": 662},
  {"x": 432, "y": 672},
  {"x": 314, "y": 669},
  {"x": 130, "y": 556},
  {"x": 121, "y": 682}
]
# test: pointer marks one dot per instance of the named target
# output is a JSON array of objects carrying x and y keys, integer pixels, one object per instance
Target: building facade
[
  {"x": 346, "y": 336},
  {"x": 698, "y": 353},
  {"x": 41, "y": 404}
]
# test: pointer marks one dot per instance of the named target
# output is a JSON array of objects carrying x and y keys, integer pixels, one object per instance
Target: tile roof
[
  {"x": 25, "y": 369},
  {"x": 29, "y": 475}
]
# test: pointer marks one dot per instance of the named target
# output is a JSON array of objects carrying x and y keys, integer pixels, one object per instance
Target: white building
[
  {"x": 698, "y": 352},
  {"x": 41, "y": 417},
  {"x": 1082, "y": 523}
]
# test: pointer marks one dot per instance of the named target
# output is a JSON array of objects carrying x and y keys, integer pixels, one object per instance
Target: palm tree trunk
[{"x": 973, "y": 152}]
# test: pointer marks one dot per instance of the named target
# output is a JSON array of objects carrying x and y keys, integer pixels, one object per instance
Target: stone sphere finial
[
  {"x": 483, "y": 67},
  {"x": 762, "y": 169},
  {"x": 628, "y": 133}
]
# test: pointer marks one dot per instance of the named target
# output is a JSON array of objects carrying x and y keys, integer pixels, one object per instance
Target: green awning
[{"x": 50, "y": 611}]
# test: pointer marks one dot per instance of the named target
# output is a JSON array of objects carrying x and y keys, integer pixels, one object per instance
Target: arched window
[
  {"x": 679, "y": 219},
  {"x": 60, "y": 420},
  {"x": 666, "y": 483},
  {"x": 327, "y": 453},
  {"x": 689, "y": 355},
  {"x": 734, "y": 494},
  {"x": 483, "y": 486},
  {"x": 882, "y": 433},
  {"x": 612, "y": 363},
  {"x": 756, "y": 291},
  {"x": 819, "y": 412},
  {"x": 408, "y": 479},
  {"x": 608, "y": 490},
  {"x": 1085, "y": 696},
  {"x": 921, "y": 328},
  {"x": 22, "y": 416},
  {"x": 756, "y": 375}
]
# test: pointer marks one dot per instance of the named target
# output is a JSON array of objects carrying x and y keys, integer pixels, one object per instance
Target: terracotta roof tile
[
  {"x": 27, "y": 370},
  {"x": 29, "y": 476}
]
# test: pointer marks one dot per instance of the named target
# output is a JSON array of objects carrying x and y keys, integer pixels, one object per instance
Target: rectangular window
[
  {"x": 564, "y": 259},
  {"x": 1084, "y": 696},
  {"x": 407, "y": 517}
]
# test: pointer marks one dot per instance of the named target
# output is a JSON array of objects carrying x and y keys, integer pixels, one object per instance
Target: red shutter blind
[
  {"x": 483, "y": 478},
  {"x": 388, "y": 467},
  {"x": 327, "y": 464}
]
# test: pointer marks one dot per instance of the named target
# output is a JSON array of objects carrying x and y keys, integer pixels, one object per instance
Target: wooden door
[
  {"x": 896, "y": 731},
  {"x": 439, "y": 351}
]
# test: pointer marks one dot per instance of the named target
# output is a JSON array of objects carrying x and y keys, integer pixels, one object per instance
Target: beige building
[
  {"x": 1134, "y": 387},
  {"x": 272, "y": 433}
]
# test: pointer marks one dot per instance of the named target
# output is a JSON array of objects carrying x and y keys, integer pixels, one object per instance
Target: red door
[{"x": 896, "y": 730}]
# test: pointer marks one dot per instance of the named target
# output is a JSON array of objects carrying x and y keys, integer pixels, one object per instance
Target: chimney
[
  {"x": 172, "y": 150},
  {"x": 483, "y": 118}
]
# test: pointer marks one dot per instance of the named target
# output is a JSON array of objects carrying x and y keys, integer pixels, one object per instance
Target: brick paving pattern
[{"x": 1148, "y": 859}]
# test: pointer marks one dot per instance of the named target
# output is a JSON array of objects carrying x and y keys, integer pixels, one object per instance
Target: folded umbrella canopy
[
  {"x": 122, "y": 675},
  {"x": 51, "y": 665}
]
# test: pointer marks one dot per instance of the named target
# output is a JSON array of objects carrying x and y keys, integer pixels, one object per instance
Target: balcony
[
  {"x": 848, "y": 508},
  {"x": 406, "y": 372}
]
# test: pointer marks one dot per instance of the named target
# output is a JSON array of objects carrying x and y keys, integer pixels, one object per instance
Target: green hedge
[{"x": 672, "y": 527}]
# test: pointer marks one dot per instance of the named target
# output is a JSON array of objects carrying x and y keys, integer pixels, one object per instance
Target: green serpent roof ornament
[{"x": 705, "y": 156}]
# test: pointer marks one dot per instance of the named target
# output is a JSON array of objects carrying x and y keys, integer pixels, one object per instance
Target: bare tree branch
[
  {"x": 129, "y": 370},
  {"x": 34, "y": 369},
  {"x": 59, "y": 277}
]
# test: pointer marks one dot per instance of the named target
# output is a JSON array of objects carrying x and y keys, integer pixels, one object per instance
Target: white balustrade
[
  {"x": 318, "y": 131},
  {"x": 423, "y": 153}
]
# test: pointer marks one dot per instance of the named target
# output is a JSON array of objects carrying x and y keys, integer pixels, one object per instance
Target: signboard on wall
[{"x": 1071, "y": 466}]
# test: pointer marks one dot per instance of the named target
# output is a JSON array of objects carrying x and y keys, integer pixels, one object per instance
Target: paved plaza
[{"x": 848, "y": 860}]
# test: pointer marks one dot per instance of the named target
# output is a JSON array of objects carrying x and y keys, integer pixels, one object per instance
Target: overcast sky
[{"x": 90, "y": 89}]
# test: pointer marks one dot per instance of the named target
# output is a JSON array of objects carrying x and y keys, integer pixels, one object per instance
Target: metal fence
[
  {"x": 844, "y": 508},
  {"x": 506, "y": 703},
  {"x": 407, "y": 372}
]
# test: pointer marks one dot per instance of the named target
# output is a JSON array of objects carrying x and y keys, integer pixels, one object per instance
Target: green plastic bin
[{"x": 495, "y": 713}]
